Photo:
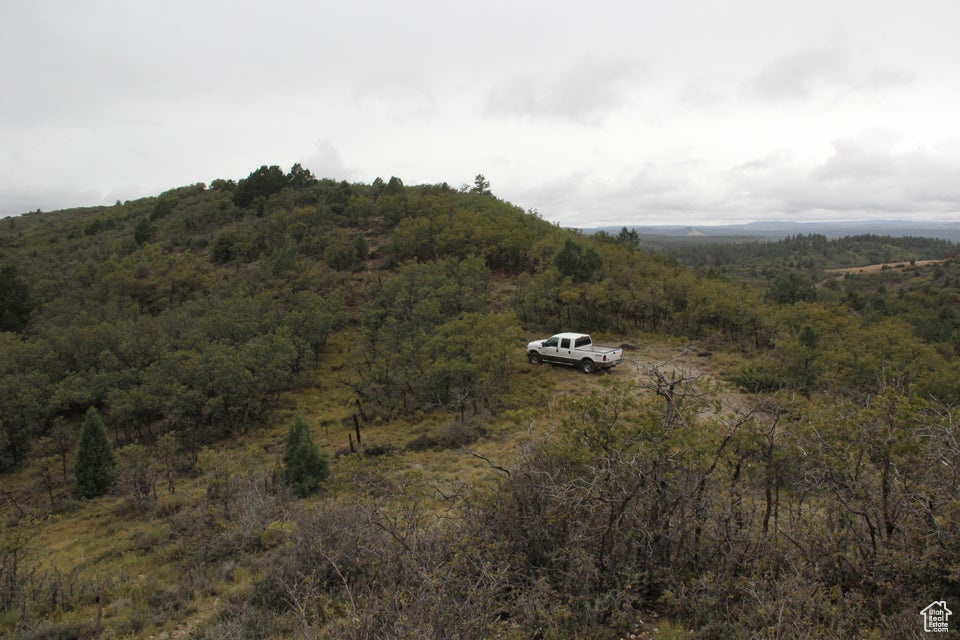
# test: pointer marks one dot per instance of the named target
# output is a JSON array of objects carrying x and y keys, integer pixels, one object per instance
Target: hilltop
[{"x": 781, "y": 436}]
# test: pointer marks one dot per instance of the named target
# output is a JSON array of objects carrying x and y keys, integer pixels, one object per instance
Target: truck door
[
  {"x": 564, "y": 349},
  {"x": 551, "y": 349}
]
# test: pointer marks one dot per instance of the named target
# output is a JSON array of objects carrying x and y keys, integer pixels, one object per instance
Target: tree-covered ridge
[
  {"x": 927, "y": 297},
  {"x": 191, "y": 311}
]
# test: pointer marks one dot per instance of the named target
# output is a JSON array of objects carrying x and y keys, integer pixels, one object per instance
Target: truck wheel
[
  {"x": 586, "y": 365},
  {"x": 535, "y": 358}
]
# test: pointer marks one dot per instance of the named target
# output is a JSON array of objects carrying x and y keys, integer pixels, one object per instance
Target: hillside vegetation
[{"x": 295, "y": 407}]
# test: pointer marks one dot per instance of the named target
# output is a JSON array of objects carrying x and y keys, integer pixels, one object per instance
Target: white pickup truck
[{"x": 576, "y": 350}]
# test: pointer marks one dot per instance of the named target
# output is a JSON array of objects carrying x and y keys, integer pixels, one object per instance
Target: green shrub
[{"x": 759, "y": 377}]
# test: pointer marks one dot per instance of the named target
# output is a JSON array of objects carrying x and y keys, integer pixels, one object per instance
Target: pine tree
[
  {"x": 95, "y": 461},
  {"x": 304, "y": 466}
]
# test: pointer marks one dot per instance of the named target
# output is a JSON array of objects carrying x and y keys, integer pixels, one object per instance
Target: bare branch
[{"x": 489, "y": 462}]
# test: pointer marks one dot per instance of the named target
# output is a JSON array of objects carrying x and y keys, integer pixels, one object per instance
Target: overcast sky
[{"x": 608, "y": 112}]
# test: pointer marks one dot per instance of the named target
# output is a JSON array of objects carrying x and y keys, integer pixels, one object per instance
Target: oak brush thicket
[{"x": 174, "y": 328}]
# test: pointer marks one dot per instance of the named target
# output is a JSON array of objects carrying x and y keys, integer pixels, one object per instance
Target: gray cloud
[
  {"x": 797, "y": 75},
  {"x": 583, "y": 92},
  {"x": 651, "y": 193},
  {"x": 868, "y": 176},
  {"x": 396, "y": 98},
  {"x": 829, "y": 70}
]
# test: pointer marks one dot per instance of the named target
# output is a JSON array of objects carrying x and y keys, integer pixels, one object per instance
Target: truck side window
[
  {"x": 585, "y": 340},
  {"x": 565, "y": 343},
  {"x": 552, "y": 342}
]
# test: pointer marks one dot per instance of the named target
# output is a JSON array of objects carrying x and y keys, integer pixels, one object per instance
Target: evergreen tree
[
  {"x": 143, "y": 233},
  {"x": 300, "y": 178},
  {"x": 262, "y": 183},
  {"x": 480, "y": 185},
  {"x": 95, "y": 461},
  {"x": 394, "y": 186},
  {"x": 304, "y": 466}
]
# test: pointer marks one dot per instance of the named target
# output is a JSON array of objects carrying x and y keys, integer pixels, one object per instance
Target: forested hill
[
  {"x": 794, "y": 459},
  {"x": 194, "y": 309}
]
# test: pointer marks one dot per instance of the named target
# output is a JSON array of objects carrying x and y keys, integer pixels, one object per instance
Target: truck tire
[
  {"x": 535, "y": 358},
  {"x": 586, "y": 365}
]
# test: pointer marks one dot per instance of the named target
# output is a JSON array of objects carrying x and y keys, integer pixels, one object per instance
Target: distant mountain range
[{"x": 775, "y": 230}]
